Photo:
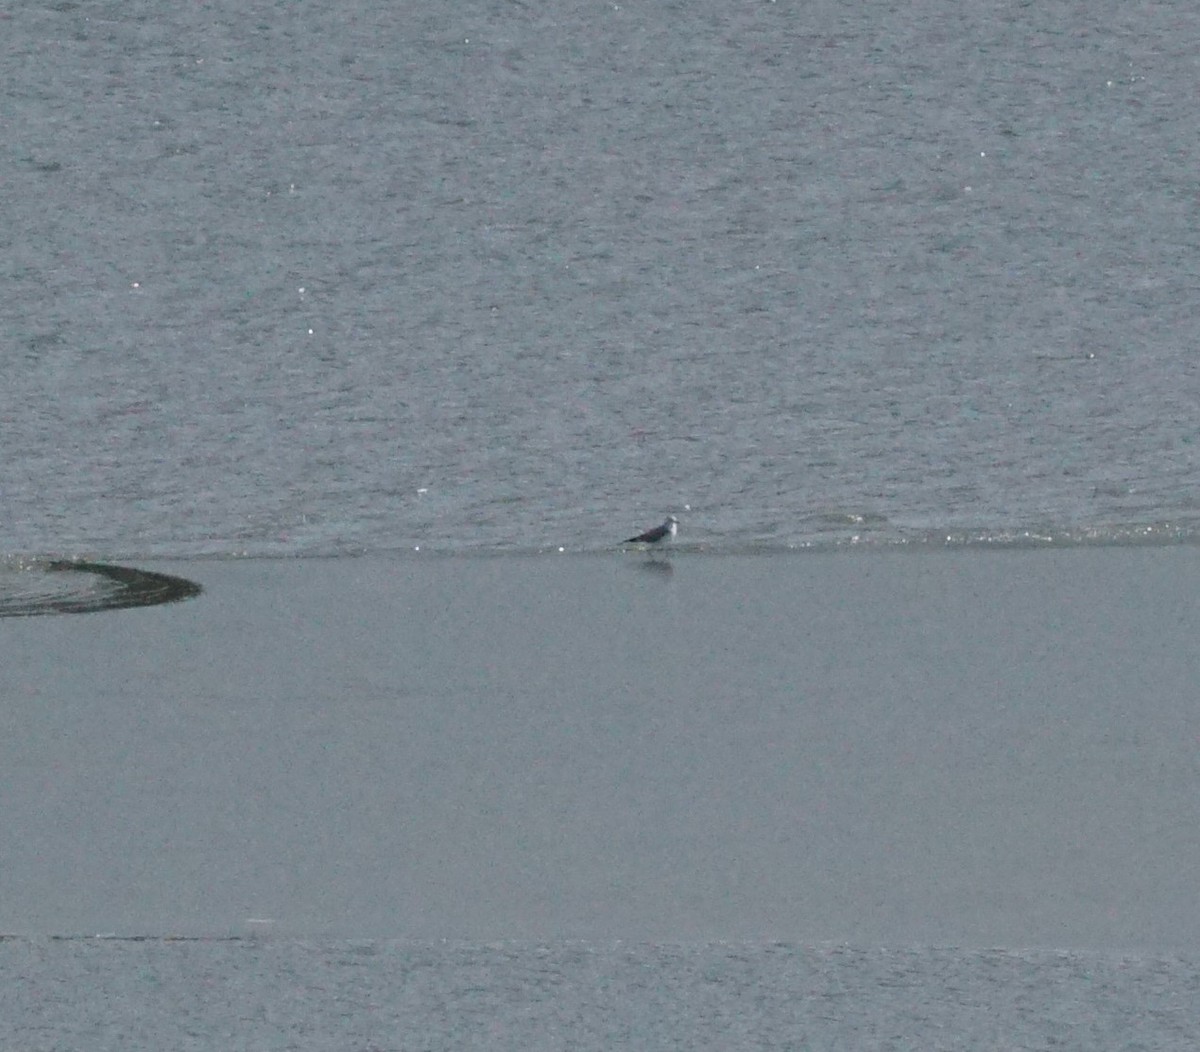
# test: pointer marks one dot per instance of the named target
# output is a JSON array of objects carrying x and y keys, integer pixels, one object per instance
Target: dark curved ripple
[{"x": 64, "y": 586}]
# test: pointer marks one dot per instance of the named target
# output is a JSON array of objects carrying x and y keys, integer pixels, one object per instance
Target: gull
[{"x": 660, "y": 535}]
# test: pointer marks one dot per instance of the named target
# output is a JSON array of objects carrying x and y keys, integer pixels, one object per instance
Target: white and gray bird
[{"x": 658, "y": 536}]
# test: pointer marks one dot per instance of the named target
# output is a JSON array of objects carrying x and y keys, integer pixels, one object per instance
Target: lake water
[
  {"x": 384, "y": 325},
  {"x": 481, "y": 277}
]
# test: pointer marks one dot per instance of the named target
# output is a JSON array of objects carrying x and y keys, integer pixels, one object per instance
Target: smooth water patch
[{"x": 953, "y": 747}]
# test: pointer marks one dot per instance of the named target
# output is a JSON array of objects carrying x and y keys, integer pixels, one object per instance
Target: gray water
[
  {"x": 969, "y": 749},
  {"x": 485, "y": 275},
  {"x": 960, "y": 787},
  {"x": 524, "y": 996},
  {"x": 385, "y": 283}
]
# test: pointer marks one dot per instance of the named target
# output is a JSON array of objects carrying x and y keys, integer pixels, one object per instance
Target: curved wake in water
[{"x": 29, "y": 588}]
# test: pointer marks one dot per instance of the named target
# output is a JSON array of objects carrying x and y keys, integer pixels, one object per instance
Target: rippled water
[
  {"x": 525, "y": 996},
  {"x": 493, "y": 277},
  {"x": 490, "y": 277}
]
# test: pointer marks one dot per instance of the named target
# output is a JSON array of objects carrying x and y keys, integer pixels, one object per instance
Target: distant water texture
[
  {"x": 491, "y": 276},
  {"x": 530, "y": 997}
]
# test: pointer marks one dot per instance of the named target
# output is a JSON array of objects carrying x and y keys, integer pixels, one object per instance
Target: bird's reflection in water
[{"x": 659, "y": 566}]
